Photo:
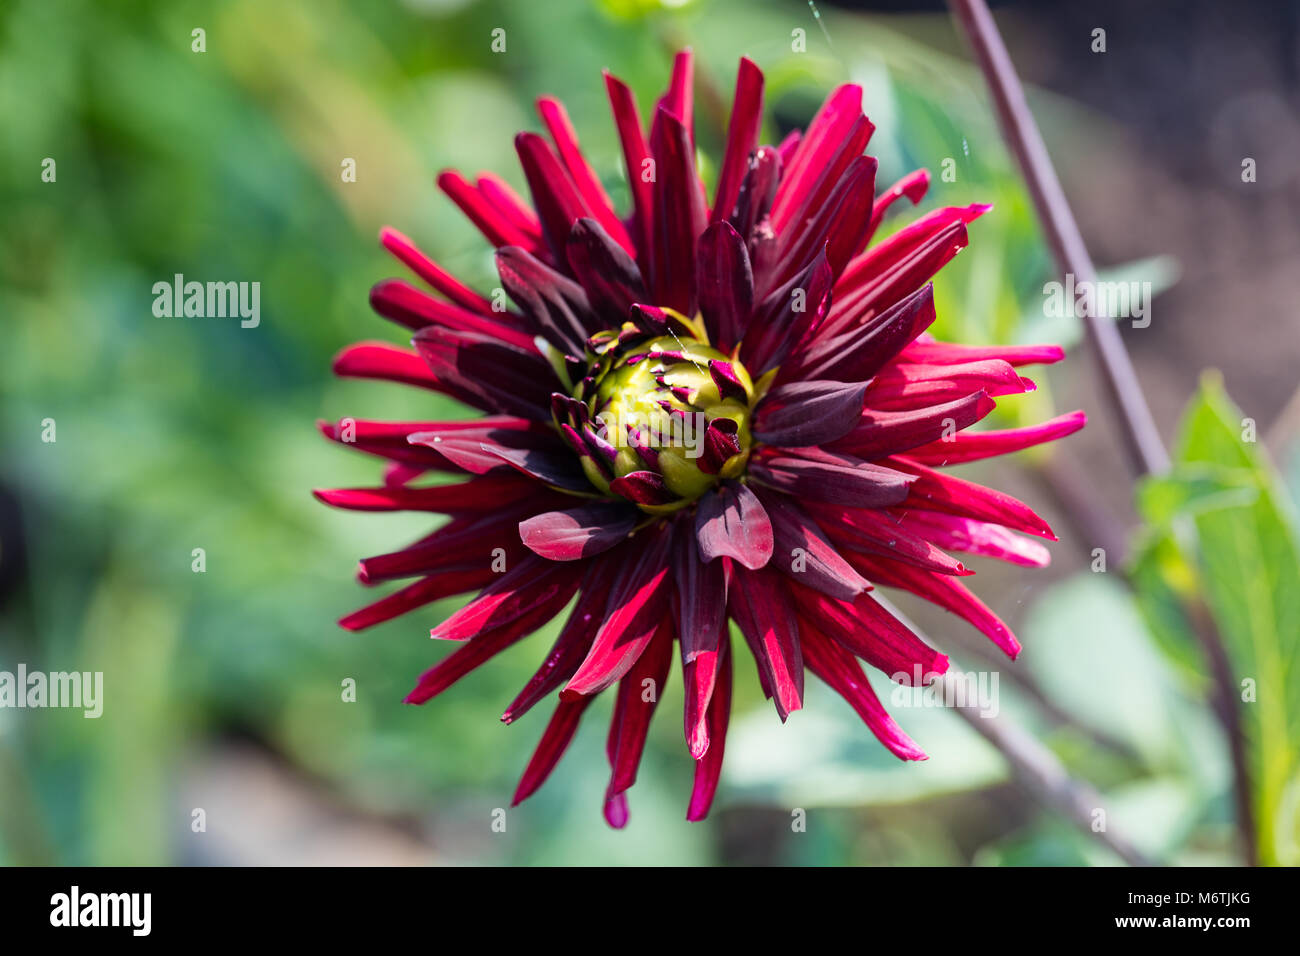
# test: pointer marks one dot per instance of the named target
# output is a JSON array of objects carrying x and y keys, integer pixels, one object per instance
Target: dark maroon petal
[
  {"x": 498, "y": 226},
  {"x": 731, "y": 522},
  {"x": 409, "y": 254},
  {"x": 555, "y": 741},
  {"x": 571, "y": 647},
  {"x": 761, "y": 607},
  {"x": 643, "y": 488},
  {"x": 726, "y": 284},
  {"x": 788, "y": 317},
  {"x": 836, "y": 478},
  {"x": 700, "y": 601},
  {"x": 530, "y": 584},
  {"x": 866, "y": 629},
  {"x": 720, "y": 444},
  {"x": 557, "y": 201},
  {"x": 557, "y": 306},
  {"x": 497, "y": 377},
  {"x": 841, "y": 671},
  {"x": 709, "y": 767},
  {"x": 637, "y": 605},
  {"x": 447, "y": 581},
  {"x": 469, "y": 540},
  {"x": 679, "y": 216},
  {"x": 608, "y": 274},
  {"x": 742, "y": 137},
  {"x": 636, "y": 154},
  {"x": 580, "y": 172},
  {"x": 798, "y": 414},
  {"x": 863, "y": 349},
  {"x": 467, "y": 447},
  {"x": 556, "y": 467},
  {"x": 945, "y": 591},
  {"x": 880, "y": 433},
  {"x": 484, "y": 646},
  {"x": 578, "y": 532},
  {"x": 757, "y": 191},
  {"x": 802, "y": 551},
  {"x": 478, "y": 495},
  {"x": 638, "y": 695},
  {"x": 935, "y": 491}
]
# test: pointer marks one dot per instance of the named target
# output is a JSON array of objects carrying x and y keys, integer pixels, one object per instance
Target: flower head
[{"x": 695, "y": 414}]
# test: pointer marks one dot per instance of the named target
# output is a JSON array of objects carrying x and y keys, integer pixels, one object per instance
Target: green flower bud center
[{"x": 654, "y": 400}]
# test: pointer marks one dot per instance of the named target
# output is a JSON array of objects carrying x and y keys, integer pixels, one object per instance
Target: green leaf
[{"x": 1248, "y": 567}]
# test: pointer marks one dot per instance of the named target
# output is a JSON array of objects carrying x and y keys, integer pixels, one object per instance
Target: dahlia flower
[{"x": 695, "y": 414}]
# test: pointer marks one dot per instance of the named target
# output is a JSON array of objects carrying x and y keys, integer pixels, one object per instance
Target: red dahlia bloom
[{"x": 694, "y": 413}]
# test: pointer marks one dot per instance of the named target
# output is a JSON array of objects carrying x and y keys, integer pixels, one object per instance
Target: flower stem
[
  {"x": 1062, "y": 231},
  {"x": 1142, "y": 441}
]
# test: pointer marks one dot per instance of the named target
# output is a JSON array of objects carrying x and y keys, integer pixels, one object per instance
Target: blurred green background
[{"x": 223, "y": 688}]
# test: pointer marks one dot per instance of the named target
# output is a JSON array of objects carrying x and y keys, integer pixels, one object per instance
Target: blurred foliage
[
  {"x": 1222, "y": 529},
  {"x": 176, "y": 434}
]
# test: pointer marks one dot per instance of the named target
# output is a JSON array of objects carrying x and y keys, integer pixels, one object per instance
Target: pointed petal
[
  {"x": 580, "y": 172},
  {"x": 484, "y": 646},
  {"x": 761, "y": 606},
  {"x": 742, "y": 137},
  {"x": 866, "y": 629},
  {"x": 575, "y": 639},
  {"x": 709, "y": 767},
  {"x": 608, "y": 274},
  {"x": 531, "y": 583},
  {"x": 838, "y": 668},
  {"x": 679, "y": 216},
  {"x": 638, "y": 603},
  {"x": 971, "y": 446},
  {"x": 726, "y": 285},
  {"x": 936, "y": 491},
  {"x": 701, "y": 599},
  {"x": 555, "y": 741},
  {"x": 405, "y": 250},
  {"x": 446, "y": 582},
  {"x": 478, "y": 495},
  {"x": 945, "y": 591},
  {"x": 638, "y": 695}
]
